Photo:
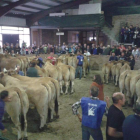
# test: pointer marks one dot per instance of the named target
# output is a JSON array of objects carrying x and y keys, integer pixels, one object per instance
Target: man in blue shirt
[
  {"x": 4, "y": 97},
  {"x": 113, "y": 57},
  {"x": 131, "y": 125},
  {"x": 19, "y": 71},
  {"x": 80, "y": 59},
  {"x": 40, "y": 61},
  {"x": 92, "y": 113}
]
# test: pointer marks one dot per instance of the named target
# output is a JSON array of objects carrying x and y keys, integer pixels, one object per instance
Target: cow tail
[{"x": 22, "y": 119}]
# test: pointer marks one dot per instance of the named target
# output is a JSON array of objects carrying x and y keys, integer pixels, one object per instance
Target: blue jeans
[
  {"x": 78, "y": 69},
  {"x": 95, "y": 133}
]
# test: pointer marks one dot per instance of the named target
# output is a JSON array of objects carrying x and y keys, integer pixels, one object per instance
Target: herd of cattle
[
  {"x": 128, "y": 80},
  {"x": 41, "y": 93}
]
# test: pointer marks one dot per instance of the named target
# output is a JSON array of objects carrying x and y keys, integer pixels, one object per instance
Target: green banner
[{"x": 93, "y": 20}]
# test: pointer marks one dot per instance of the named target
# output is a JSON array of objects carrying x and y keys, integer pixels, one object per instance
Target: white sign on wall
[
  {"x": 60, "y": 33},
  {"x": 90, "y": 9}
]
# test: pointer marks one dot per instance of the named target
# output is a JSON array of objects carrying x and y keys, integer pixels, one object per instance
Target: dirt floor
[{"x": 67, "y": 127}]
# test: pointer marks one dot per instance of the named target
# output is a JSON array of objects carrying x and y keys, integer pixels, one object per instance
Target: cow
[
  {"x": 37, "y": 94},
  {"x": 68, "y": 73},
  {"x": 18, "y": 107},
  {"x": 55, "y": 72},
  {"x": 54, "y": 91},
  {"x": 117, "y": 71}
]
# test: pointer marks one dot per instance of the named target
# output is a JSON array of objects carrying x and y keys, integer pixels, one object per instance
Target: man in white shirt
[
  {"x": 134, "y": 52},
  {"x": 138, "y": 53},
  {"x": 87, "y": 54}
]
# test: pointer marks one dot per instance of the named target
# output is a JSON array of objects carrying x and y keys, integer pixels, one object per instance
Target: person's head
[
  {"x": 113, "y": 47},
  {"x": 137, "y": 109},
  {"x": 137, "y": 25},
  {"x": 79, "y": 52},
  {"x": 79, "y": 44},
  {"x": 127, "y": 50},
  {"x": 18, "y": 68},
  {"x": 4, "y": 95},
  {"x": 97, "y": 79},
  {"x": 37, "y": 56},
  {"x": 129, "y": 47},
  {"x": 131, "y": 57},
  {"x": 94, "y": 91},
  {"x": 63, "y": 43},
  {"x": 12, "y": 51},
  {"x": 51, "y": 54},
  {"x": 123, "y": 27},
  {"x": 85, "y": 45},
  {"x": 32, "y": 64},
  {"x": 113, "y": 54},
  {"x": 122, "y": 54},
  {"x": 126, "y": 27},
  {"x": 85, "y": 51},
  {"x": 118, "y": 98}
]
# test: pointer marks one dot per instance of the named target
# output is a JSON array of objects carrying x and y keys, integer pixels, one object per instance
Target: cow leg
[
  {"x": 138, "y": 100},
  {"x": 67, "y": 86},
  {"x": 61, "y": 87},
  {"x": 128, "y": 97},
  {"x": 51, "y": 106},
  {"x": 84, "y": 71},
  {"x": 107, "y": 77},
  {"x": 103, "y": 78},
  {"x": 42, "y": 112},
  {"x": 72, "y": 86},
  {"x": 18, "y": 125},
  {"x": 25, "y": 126},
  {"x": 116, "y": 80}
]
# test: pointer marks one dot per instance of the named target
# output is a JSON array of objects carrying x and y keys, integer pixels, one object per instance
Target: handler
[
  {"x": 4, "y": 97},
  {"x": 92, "y": 113}
]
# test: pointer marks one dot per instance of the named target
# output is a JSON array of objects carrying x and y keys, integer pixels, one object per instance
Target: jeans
[
  {"x": 95, "y": 133},
  {"x": 78, "y": 69}
]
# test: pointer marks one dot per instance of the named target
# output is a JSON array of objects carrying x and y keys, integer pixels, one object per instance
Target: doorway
[{"x": 7, "y": 38}]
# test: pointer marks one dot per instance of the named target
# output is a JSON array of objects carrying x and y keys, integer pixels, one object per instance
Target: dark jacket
[
  {"x": 113, "y": 58},
  {"x": 32, "y": 72},
  {"x": 117, "y": 52},
  {"x": 132, "y": 63}
]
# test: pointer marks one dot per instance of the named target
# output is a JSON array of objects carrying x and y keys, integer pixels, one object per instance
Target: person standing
[
  {"x": 4, "y": 97},
  {"x": 115, "y": 118},
  {"x": 52, "y": 58},
  {"x": 40, "y": 60},
  {"x": 80, "y": 59},
  {"x": 19, "y": 71},
  {"x": 32, "y": 71},
  {"x": 132, "y": 62},
  {"x": 131, "y": 125},
  {"x": 92, "y": 113},
  {"x": 97, "y": 81},
  {"x": 113, "y": 57},
  {"x": 122, "y": 34}
]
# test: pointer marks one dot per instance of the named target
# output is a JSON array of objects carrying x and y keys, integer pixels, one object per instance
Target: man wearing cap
[
  {"x": 131, "y": 125},
  {"x": 92, "y": 113},
  {"x": 80, "y": 59}
]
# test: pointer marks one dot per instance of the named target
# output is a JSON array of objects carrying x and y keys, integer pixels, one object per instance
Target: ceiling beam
[
  {"x": 57, "y": 1},
  {"x": 35, "y": 17},
  {"x": 40, "y": 3},
  {"x": 36, "y": 8},
  {"x": 4, "y": 10},
  {"x": 15, "y": 15},
  {"x": 18, "y": 10}
]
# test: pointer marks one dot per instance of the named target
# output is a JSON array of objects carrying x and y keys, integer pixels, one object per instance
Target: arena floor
[{"x": 67, "y": 127}]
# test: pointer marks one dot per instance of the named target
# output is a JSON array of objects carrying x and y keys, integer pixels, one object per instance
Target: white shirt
[
  {"x": 134, "y": 53},
  {"x": 87, "y": 54}
]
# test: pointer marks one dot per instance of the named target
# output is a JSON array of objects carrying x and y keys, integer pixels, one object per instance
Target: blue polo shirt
[{"x": 131, "y": 128}]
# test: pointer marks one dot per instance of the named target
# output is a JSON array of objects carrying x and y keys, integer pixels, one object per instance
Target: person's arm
[
  {"x": 1, "y": 116},
  {"x": 114, "y": 133},
  {"x": 75, "y": 109}
]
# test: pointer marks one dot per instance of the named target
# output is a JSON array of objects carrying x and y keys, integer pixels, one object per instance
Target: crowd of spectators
[{"x": 130, "y": 35}]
